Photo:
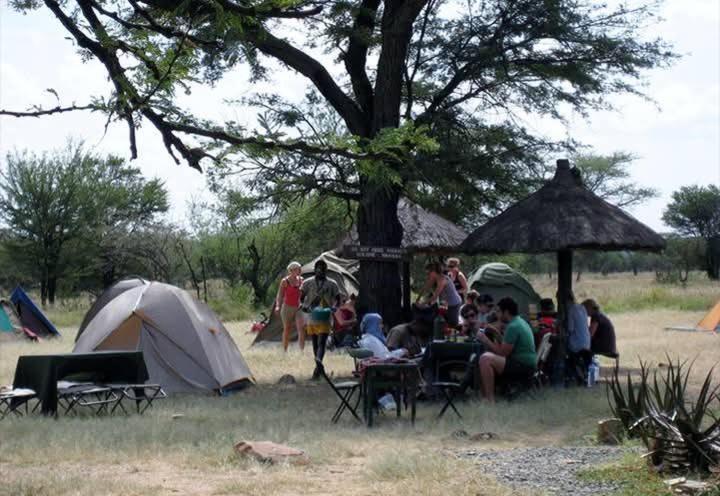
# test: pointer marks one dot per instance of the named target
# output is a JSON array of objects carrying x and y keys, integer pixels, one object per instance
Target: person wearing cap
[
  {"x": 318, "y": 294},
  {"x": 287, "y": 303}
]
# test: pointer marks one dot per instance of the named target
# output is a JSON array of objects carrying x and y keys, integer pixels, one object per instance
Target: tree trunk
[
  {"x": 43, "y": 290},
  {"x": 712, "y": 257},
  {"x": 51, "y": 287},
  {"x": 378, "y": 225},
  {"x": 108, "y": 273}
]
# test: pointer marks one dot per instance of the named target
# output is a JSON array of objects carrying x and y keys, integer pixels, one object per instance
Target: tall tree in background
[
  {"x": 71, "y": 198},
  {"x": 695, "y": 211},
  {"x": 608, "y": 176},
  {"x": 241, "y": 249},
  {"x": 406, "y": 66}
]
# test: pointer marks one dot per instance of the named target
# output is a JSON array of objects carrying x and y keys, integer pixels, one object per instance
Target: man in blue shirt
[{"x": 578, "y": 345}]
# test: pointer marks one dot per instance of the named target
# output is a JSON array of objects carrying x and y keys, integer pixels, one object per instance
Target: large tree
[
  {"x": 391, "y": 70},
  {"x": 66, "y": 209},
  {"x": 695, "y": 211}
]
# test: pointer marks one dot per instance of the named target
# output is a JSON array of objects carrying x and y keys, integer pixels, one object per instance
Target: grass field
[{"x": 156, "y": 454}]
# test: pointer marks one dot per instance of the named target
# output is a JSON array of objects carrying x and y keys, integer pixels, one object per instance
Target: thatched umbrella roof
[
  {"x": 423, "y": 231},
  {"x": 562, "y": 215}
]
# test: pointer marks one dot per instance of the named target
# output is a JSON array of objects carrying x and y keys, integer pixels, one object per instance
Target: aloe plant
[
  {"x": 682, "y": 433},
  {"x": 627, "y": 401}
]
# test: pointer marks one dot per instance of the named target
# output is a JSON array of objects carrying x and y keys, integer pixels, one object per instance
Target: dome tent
[
  {"x": 500, "y": 280},
  {"x": 108, "y": 295},
  {"x": 185, "y": 346}
]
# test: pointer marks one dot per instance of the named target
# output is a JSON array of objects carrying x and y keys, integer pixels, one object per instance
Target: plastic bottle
[
  {"x": 592, "y": 374},
  {"x": 596, "y": 369}
]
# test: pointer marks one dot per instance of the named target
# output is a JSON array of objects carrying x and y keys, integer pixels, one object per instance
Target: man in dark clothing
[
  {"x": 413, "y": 336},
  {"x": 602, "y": 331}
]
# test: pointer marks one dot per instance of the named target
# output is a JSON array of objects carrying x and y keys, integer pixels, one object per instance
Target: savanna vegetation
[{"x": 192, "y": 454}]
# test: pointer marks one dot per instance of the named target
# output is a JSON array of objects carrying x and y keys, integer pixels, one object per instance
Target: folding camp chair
[
  {"x": 11, "y": 401},
  {"x": 142, "y": 394},
  {"x": 540, "y": 378},
  {"x": 345, "y": 391},
  {"x": 450, "y": 390},
  {"x": 72, "y": 395},
  {"x": 357, "y": 355}
]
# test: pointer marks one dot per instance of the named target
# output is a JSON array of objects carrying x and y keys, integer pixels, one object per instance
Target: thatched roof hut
[
  {"x": 423, "y": 231},
  {"x": 562, "y": 215}
]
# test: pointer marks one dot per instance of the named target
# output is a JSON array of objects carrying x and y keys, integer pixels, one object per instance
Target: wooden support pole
[
  {"x": 406, "y": 296},
  {"x": 564, "y": 285},
  {"x": 563, "y": 300}
]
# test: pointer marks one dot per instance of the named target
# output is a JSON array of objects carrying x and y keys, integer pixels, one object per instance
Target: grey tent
[
  {"x": 186, "y": 347},
  {"x": 500, "y": 280},
  {"x": 340, "y": 270},
  {"x": 108, "y": 295}
]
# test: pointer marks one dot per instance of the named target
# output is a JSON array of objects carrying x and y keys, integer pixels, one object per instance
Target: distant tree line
[{"x": 73, "y": 221}]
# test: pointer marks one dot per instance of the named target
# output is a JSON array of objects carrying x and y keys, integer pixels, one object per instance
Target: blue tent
[{"x": 30, "y": 315}]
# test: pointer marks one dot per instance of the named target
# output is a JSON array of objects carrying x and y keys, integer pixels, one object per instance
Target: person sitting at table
[
  {"x": 486, "y": 313},
  {"x": 470, "y": 324},
  {"x": 515, "y": 356},
  {"x": 374, "y": 340},
  {"x": 578, "y": 342},
  {"x": 602, "y": 331},
  {"x": 547, "y": 321},
  {"x": 470, "y": 299},
  {"x": 412, "y": 336},
  {"x": 444, "y": 291}
]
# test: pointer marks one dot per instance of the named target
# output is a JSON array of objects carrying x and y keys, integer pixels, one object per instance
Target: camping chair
[
  {"x": 451, "y": 389},
  {"x": 345, "y": 391},
  {"x": 540, "y": 378},
  {"x": 83, "y": 394},
  {"x": 11, "y": 401},
  {"x": 611, "y": 354},
  {"x": 139, "y": 393},
  {"x": 358, "y": 354}
]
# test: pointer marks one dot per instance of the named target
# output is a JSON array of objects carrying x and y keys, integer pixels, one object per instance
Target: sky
[{"x": 676, "y": 138}]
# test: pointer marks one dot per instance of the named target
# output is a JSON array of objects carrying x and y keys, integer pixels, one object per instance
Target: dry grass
[
  {"x": 628, "y": 293},
  {"x": 154, "y": 454}
]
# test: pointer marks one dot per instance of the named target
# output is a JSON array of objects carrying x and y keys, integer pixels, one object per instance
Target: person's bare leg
[
  {"x": 286, "y": 334},
  {"x": 491, "y": 365}
]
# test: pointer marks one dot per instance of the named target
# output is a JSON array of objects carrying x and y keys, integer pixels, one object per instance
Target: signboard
[{"x": 376, "y": 253}]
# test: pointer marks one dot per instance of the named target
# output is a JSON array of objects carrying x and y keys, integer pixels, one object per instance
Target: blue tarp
[{"x": 24, "y": 304}]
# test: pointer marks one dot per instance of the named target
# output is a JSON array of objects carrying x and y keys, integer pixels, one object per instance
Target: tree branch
[
  {"x": 356, "y": 56},
  {"x": 315, "y": 72},
  {"x": 55, "y": 110},
  {"x": 296, "y": 146}
]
